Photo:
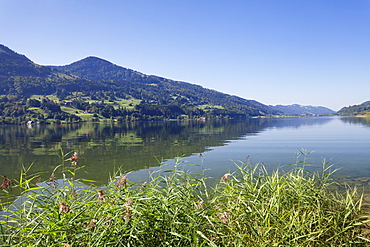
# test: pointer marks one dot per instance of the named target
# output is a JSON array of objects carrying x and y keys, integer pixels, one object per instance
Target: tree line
[{"x": 22, "y": 110}]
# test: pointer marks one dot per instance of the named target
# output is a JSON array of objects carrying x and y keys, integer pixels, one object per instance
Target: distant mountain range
[
  {"x": 297, "y": 109},
  {"x": 106, "y": 90}
]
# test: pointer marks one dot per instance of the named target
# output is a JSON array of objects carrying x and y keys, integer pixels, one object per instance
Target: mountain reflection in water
[{"x": 104, "y": 147}]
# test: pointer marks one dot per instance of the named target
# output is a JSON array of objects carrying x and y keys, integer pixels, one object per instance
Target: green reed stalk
[{"x": 250, "y": 207}]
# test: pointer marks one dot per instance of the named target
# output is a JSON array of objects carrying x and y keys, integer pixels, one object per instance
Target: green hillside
[
  {"x": 162, "y": 90},
  {"x": 362, "y": 109},
  {"x": 95, "y": 89}
]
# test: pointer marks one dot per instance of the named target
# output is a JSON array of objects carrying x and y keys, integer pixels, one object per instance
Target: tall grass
[{"x": 250, "y": 207}]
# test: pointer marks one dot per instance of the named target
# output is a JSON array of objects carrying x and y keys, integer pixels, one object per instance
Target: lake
[{"x": 216, "y": 144}]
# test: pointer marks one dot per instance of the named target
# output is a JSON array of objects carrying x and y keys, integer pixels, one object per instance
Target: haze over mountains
[
  {"x": 297, "y": 109},
  {"x": 95, "y": 79}
]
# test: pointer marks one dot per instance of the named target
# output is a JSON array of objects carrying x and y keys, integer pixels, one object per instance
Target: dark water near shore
[{"x": 103, "y": 147}]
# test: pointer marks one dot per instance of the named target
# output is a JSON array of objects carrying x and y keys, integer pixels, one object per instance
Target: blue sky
[{"x": 313, "y": 52}]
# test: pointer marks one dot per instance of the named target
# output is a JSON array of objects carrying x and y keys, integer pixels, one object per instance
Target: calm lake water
[{"x": 139, "y": 147}]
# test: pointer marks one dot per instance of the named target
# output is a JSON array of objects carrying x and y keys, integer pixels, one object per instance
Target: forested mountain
[
  {"x": 14, "y": 64},
  {"x": 361, "y": 109},
  {"x": 95, "y": 88},
  {"x": 296, "y": 109},
  {"x": 20, "y": 77},
  {"x": 94, "y": 68},
  {"x": 161, "y": 90}
]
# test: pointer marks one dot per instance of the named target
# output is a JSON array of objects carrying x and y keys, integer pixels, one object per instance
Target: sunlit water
[{"x": 140, "y": 147}]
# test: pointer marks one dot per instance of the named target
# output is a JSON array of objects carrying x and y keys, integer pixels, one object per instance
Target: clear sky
[{"x": 314, "y": 52}]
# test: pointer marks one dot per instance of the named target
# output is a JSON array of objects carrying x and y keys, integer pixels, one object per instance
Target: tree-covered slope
[
  {"x": 361, "y": 109},
  {"x": 14, "y": 64},
  {"x": 20, "y": 77},
  {"x": 162, "y": 90},
  {"x": 106, "y": 90},
  {"x": 94, "y": 68}
]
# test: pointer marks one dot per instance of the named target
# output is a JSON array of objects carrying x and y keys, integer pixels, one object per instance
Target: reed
[{"x": 250, "y": 207}]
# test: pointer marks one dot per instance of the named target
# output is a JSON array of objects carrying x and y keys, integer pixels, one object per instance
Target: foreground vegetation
[{"x": 250, "y": 207}]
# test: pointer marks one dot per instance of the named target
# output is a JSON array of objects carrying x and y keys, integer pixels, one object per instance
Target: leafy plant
[{"x": 250, "y": 207}]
